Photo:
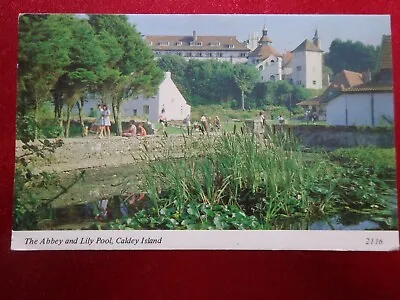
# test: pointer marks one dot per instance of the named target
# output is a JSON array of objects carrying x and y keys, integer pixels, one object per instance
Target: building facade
[
  {"x": 370, "y": 103},
  {"x": 222, "y": 48},
  {"x": 306, "y": 64},
  {"x": 168, "y": 99},
  {"x": 266, "y": 59}
]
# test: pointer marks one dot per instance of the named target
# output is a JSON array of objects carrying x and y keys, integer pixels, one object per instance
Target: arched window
[
  {"x": 272, "y": 78},
  {"x": 272, "y": 62},
  {"x": 261, "y": 68}
]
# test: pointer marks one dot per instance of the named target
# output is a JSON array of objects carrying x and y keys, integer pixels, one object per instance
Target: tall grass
[{"x": 265, "y": 176}]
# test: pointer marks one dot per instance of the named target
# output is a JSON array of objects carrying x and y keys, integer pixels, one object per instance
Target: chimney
[
  {"x": 366, "y": 76},
  {"x": 167, "y": 74},
  {"x": 194, "y": 35}
]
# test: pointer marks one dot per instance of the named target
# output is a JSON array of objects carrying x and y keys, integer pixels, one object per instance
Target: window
[
  {"x": 262, "y": 77},
  {"x": 243, "y": 54},
  {"x": 260, "y": 68},
  {"x": 163, "y": 43},
  {"x": 199, "y": 54},
  {"x": 150, "y": 43},
  {"x": 298, "y": 82},
  {"x": 135, "y": 112},
  {"x": 210, "y": 54},
  {"x": 179, "y": 53},
  {"x": 314, "y": 82},
  {"x": 272, "y": 62},
  {"x": 146, "y": 109},
  {"x": 220, "y": 54},
  {"x": 298, "y": 68},
  {"x": 213, "y": 44},
  {"x": 231, "y": 46},
  {"x": 179, "y": 43},
  {"x": 199, "y": 44},
  {"x": 272, "y": 78}
]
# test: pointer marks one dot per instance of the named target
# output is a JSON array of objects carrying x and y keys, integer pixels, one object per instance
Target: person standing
[
  {"x": 187, "y": 123},
  {"x": 204, "y": 123},
  {"x": 262, "y": 119},
  {"x": 106, "y": 120},
  {"x": 217, "y": 123}
]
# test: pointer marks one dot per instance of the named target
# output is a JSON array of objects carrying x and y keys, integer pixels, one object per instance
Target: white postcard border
[{"x": 206, "y": 240}]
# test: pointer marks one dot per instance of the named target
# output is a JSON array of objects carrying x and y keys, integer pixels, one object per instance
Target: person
[
  {"x": 204, "y": 123},
  {"x": 96, "y": 126},
  {"x": 217, "y": 123},
  {"x": 163, "y": 119},
  {"x": 140, "y": 130},
  {"x": 131, "y": 131},
  {"x": 196, "y": 126},
  {"x": 262, "y": 119},
  {"x": 105, "y": 121},
  {"x": 281, "y": 120},
  {"x": 187, "y": 123},
  {"x": 314, "y": 117}
]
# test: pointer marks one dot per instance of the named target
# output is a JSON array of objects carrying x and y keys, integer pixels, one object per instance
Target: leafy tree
[
  {"x": 349, "y": 55},
  {"x": 44, "y": 43},
  {"x": 86, "y": 67},
  {"x": 130, "y": 66},
  {"x": 245, "y": 77}
]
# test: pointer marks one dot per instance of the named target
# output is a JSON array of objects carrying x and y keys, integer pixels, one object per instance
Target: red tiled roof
[
  {"x": 385, "y": 59},
  {"x": 264, "y": 51},
  {"x": 370, "y": 87},
  {"x": 287, "y": 58},
  {"x": 209, "y": 43},
  {"x": 307, "y": 45}
]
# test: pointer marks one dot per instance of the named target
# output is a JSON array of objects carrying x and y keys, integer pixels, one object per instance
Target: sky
[{"x": 285, "y": 31}]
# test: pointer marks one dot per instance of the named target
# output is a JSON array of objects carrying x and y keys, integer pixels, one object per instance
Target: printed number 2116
[{"x": 374, "y": 241}]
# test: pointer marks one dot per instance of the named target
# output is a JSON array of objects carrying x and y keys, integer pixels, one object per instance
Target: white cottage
[
  {"x": 168, "y": 99},
  {"x": 368, "y": 104}
]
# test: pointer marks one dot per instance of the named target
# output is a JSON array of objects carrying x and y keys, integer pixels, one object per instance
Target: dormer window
[
  {"x": 215, "y": 44},
  {"x": 179, "y": 43},
  {"x": 163, "y": 43},
  {"x": 199, "y": 44},
  {"x": 150, "y": 43},
  {"x": 230, "y": 46}
]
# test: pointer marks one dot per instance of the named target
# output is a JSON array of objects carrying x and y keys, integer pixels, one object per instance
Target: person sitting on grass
[
  {"x": 140, "y": 130},
  {"x": 131, "y": 131}
]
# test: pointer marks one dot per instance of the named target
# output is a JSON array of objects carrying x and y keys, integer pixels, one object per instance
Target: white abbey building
[
  {"x": 306, "y": 64},
  {"x": 222, "y": 48},
  {"x": 302, "y": 66},
  {"x": 266, "y": 59}
]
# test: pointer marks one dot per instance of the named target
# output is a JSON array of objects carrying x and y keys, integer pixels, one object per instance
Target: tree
[
  {"x": 130, "y": 65},
  {"x": 44, "y": 44},
  {"x": 245, "y": 77},
  {"x": 349, "y": 55},
  {"x": 86, "y": 67}
]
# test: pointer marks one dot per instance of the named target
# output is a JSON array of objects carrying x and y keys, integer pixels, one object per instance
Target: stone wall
[{"x": 331, "y": 137}]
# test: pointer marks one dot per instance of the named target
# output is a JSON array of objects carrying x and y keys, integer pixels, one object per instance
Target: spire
[
  {"x": 316, "y": 40},
  {"x": 265, "y": 40}
]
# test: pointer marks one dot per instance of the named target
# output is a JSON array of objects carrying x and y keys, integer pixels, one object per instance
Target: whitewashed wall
[
  {"x": 359, "y": 109},
  {"x": 270, "y": 68},
  {"x": 299, "y": 60},
  {"x": 313, "y": 70}
]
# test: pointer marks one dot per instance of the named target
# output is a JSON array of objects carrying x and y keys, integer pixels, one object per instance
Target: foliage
[
  {"x": 379, "y": 161},
  {"x": 353, "y": 56},
  {"x": 130, "y": 68}
]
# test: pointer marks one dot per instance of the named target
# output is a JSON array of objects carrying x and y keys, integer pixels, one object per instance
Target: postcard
[{"x": 257, "y": 132}]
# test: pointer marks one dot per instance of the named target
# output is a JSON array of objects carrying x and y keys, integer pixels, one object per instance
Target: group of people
[
  {"x": 132, "y": 130},
  {"x": 311, "y": 116},
  {"x": 207, "y": 124},
  {"x": 102, "y": 124},
  {"x": 281, "y": 120}
]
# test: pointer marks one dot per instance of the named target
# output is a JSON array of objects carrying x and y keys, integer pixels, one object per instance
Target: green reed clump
[{"x": 263, "y": 176}]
